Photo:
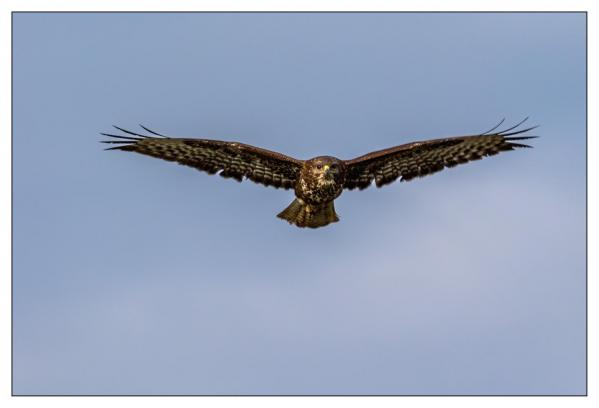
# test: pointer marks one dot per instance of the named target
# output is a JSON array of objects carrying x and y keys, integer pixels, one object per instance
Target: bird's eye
[
  {"x": 334, "y": 165},
  {"x": 319, "y": 166}
]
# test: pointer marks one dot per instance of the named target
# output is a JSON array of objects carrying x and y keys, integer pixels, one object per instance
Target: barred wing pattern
[
  {"x": 422, "y": 158},
  {"x": 231, "y": 159}
]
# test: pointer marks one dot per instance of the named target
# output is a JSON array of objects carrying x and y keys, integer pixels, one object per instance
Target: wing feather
[
  {"x": 229, "y": 159},
  {"x": 419, "y": 159}
]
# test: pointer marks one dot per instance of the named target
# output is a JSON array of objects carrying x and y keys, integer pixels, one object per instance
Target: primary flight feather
[{"x": 319, "y": 181}]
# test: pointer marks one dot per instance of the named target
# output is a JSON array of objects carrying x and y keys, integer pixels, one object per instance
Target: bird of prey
[{"x": 317, "y": 182}]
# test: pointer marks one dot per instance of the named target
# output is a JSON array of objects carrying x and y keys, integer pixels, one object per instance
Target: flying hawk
[{"x": 319, "y": 181}]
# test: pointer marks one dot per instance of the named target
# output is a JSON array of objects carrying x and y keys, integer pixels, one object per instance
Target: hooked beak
[{"x": 326, "y": 167}]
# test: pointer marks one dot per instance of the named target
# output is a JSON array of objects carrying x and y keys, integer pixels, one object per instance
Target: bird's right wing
[{"x": 230, "y": 159}]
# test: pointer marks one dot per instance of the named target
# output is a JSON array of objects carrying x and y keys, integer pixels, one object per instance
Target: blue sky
[{"x": 138, "y": 276}]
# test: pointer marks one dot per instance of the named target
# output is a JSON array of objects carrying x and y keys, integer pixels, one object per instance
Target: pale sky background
[{"x": 138, "y": 276}]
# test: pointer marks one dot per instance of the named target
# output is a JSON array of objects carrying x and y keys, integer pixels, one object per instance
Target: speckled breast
[{"x": 317, "y": 191}]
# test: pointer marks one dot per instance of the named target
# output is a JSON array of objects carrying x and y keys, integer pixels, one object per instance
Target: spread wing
[
  {"x": 421, "y": 158},
  {"x": 231, "y": 159}
]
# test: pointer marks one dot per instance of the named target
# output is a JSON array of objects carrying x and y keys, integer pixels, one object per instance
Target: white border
[{"x": 7, "y": 6}]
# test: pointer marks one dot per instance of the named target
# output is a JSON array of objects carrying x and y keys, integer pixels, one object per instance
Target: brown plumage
[{"x": 319, "y": 181}]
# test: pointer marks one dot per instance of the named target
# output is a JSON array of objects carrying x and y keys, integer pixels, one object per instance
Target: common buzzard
[{"x": 319, "y": 181}]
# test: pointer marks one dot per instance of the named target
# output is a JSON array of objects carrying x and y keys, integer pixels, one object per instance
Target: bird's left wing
[
  {"x": 422, "y": 158},
  {"x": 229, "y": 159}
]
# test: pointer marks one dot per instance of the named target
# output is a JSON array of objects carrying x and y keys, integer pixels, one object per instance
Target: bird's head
[{"x": 326, "y": 167}]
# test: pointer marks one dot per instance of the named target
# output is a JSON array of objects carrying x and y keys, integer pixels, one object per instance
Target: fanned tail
[{"x": 305, "y": 215}]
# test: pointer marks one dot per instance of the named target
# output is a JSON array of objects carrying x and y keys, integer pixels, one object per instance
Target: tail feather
[{"x": 305, "y": 215}]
